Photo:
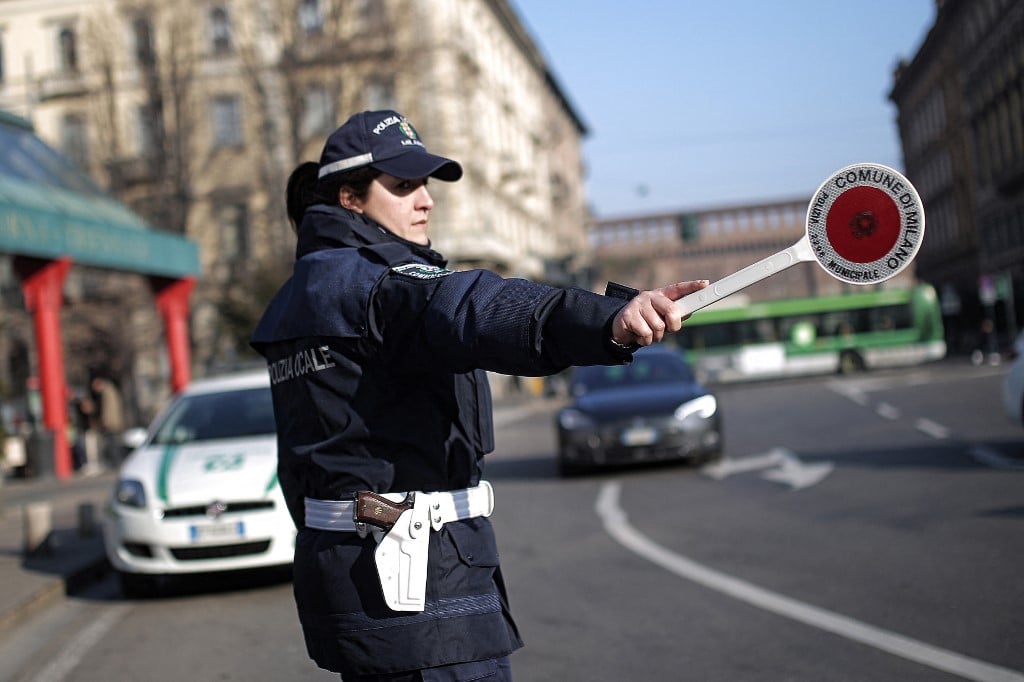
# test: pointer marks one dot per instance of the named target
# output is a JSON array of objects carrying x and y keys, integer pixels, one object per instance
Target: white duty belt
[
  {"x": 444, "y": 507},
  {"x": 401, "y": 524}
]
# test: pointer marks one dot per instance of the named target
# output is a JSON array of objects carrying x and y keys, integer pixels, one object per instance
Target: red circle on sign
[{"x": 863, "y": 224}]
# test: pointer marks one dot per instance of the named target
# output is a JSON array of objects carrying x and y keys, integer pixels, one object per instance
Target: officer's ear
[{"x": 349, "y": 199}]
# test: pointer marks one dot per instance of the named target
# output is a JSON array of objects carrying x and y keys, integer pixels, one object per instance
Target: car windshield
[
  {"x": 214, "y": 416},
  {"x": 660, "y": 368}
]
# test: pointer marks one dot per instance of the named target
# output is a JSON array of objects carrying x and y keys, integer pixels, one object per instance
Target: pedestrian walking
[{"x": 109, "y": 418}]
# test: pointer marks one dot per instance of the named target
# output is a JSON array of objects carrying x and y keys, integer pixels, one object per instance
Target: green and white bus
[{"x": 820, "y": 335}]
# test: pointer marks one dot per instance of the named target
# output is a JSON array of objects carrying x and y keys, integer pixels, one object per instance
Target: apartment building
[
  {"x": 194, "y": 112},
  {"x": 961, "y": 121}
]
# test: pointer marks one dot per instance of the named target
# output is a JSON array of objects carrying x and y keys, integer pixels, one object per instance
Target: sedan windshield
[
  {"x": 213, "y": 416},
  {"x": 660, "y": 368}
]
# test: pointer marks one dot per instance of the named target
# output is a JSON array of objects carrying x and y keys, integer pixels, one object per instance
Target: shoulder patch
[{"x": 421, "y": 271}]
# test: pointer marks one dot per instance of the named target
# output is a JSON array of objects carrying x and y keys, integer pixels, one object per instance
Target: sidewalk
[{"x": 73, "y": 553}]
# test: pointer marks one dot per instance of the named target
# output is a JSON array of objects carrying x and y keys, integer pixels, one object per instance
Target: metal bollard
[{"x": 37, "y": 526}]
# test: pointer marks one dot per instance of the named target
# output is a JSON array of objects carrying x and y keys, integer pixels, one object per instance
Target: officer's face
[{"x": 402, "y": 206}]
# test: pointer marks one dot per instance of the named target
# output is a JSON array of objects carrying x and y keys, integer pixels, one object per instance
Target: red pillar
[
  {"x": 42, "y": 284},
  {"x": 172, "y": 302}
]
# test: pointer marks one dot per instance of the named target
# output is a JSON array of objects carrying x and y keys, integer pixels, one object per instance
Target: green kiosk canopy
[{"x": 52, "y": 216}]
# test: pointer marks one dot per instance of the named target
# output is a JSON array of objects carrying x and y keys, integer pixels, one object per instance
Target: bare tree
[
  {"x": 180, "y": 62},
  {"x": 104, "y": 115}
]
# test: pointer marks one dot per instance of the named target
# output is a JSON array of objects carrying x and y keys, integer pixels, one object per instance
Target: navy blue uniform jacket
[{"x": 377, "y": 355}]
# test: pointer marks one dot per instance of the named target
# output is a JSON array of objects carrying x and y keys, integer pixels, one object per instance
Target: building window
[
  {"x": 311, "y": 17},
  {"x": 227, "y": 121},
  {"x": 68, "y": 46},
  {"x": 220, "y": 30},
  {"x": 317, "y": 111},
  {"x": 73, "y": 140},
  {"x": 233, "y": 225},
  {"x": 371, "y": 14},
  {"x": 146, "y": 128},
  {"x": 142, "y": 30},
  {"x": 380, "y": 94}
]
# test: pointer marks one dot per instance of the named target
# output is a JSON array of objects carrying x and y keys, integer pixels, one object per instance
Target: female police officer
[{"x": 377, "y": 356}]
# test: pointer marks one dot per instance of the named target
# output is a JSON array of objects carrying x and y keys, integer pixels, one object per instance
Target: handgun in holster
[{"x": 401, "y": 554}]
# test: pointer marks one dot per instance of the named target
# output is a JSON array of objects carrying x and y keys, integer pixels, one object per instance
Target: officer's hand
[{"x": 652, "y": 314}]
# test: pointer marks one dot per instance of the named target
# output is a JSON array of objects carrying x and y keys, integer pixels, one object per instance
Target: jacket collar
[{"x": 334, "y": 227}]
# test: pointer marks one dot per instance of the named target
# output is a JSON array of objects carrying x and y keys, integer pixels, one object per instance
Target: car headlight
[
  {"x": 570, "y": 420},
  {"x": 130, "y": 493},
  {"x": 703, "y": 407}
]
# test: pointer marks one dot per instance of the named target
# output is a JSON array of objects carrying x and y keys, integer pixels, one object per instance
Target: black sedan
[{"x": 652, "y": 409}]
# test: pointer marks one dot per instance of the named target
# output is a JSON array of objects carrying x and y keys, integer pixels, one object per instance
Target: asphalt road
[{"x": 859, "y": 529}]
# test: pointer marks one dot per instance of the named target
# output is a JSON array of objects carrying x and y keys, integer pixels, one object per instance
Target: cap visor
[{"x": 420, "y": 165}]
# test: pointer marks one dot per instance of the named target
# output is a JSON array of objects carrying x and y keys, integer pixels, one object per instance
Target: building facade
[
  {"x": 650, "y": 250},
  {"x": 961, "y": 121},
  {"x": 194, "y": 112}
]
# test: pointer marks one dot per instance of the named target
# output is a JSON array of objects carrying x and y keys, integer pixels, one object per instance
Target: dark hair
[
  {"x": 358, "y": 180},
  {"x": 301, "y": 192}
]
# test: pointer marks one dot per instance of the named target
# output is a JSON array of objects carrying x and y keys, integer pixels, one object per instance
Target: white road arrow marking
[{"x": 783, "y": 467}]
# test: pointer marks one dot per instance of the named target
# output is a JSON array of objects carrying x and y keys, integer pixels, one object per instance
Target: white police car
[{"x": 200, "y": 493}]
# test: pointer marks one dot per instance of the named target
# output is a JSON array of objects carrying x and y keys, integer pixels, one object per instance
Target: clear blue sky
[{"x": 701, "y": 104}]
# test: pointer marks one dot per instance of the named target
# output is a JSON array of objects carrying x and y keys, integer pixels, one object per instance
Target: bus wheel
[{"x": 850, "y": 362}]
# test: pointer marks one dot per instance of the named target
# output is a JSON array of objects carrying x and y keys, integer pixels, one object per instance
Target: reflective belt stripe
[
  {"x": 445, "y": 506},
  {"x": 330, "y": 514}
]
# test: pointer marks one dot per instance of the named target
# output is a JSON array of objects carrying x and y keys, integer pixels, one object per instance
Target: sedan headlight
[
  {"x": 571, "y": 420},
  {"x": 703, "y": 407},
  {"x": 130, "y": 493}
]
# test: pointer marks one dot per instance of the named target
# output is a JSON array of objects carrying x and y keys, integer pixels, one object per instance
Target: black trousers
[{"x": 494, "y": 670}]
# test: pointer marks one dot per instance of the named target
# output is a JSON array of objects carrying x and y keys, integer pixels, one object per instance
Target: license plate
[
  {"x": 217, "y": 531},
  {"x": 639, "y": 435}
]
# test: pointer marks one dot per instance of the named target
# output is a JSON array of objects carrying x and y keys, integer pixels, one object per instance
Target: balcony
[
  {"x": 132, "y": 171},
  {"x": 61, "y": 85}
]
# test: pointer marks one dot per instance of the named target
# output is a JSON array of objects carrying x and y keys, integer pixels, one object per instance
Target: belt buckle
[{"x": 362, "y": 529}]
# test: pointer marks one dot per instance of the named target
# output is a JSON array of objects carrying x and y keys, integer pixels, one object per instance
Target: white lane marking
[
  {"x": 71, "y": 655},
  {"x": 851, "y": 392},
  {"x": 887, "y": 411},
  {"x": 933, "y": 429},
  {"x": 617, "y": 525}
]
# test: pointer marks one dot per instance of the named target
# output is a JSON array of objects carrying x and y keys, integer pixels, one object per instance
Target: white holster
[
  {"x": 401, "y": 558},
  {"x": 401, "y": 552}
]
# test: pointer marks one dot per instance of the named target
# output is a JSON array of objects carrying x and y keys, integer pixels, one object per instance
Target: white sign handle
[{"x": 798, "y": 253}]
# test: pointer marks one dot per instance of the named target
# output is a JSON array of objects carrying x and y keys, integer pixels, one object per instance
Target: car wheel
[
  {"x": 850, "y": 362},
  {"x": 138, "y": 585}
]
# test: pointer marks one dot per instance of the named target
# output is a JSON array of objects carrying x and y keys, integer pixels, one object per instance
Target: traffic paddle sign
[{"x": 864, "y": 225}]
